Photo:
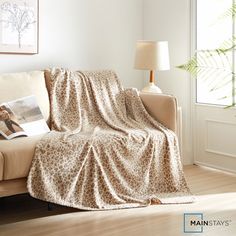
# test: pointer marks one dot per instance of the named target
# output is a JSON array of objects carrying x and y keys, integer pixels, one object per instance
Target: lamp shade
[{"x": 152, "y": 55}]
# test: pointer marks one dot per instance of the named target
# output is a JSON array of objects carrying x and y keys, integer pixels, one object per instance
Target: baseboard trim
[{"x": 214, "y": 167}]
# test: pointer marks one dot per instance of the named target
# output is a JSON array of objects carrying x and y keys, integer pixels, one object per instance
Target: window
[{"x": 215, "y": 27}]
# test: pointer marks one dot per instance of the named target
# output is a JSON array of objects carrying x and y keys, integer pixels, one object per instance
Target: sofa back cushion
[{"x": 17, "y": 85}]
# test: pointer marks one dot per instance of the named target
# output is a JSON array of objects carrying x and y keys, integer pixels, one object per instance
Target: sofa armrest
[
  {"x": 162, "y": 108},
  {"x": 1, "y": 166}
]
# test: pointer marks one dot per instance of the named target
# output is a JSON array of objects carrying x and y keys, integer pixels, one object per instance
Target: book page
[
  {"x": 29, "y": 115},
  {"x": 9, "y": 125}
]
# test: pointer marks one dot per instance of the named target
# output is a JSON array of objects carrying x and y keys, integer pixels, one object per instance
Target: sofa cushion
[
  {"x": 18, "y": 154},
  {"x": 13, "y": 187},
  {"x": 18, "y": 85}
]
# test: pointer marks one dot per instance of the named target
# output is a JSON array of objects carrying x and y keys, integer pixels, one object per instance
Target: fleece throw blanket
[{"x": 105, "y": 150}]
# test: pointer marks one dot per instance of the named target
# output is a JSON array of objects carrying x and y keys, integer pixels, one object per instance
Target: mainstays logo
[
  {"x": 210, "y": 222},
  {"x": 194, "y": 223}
]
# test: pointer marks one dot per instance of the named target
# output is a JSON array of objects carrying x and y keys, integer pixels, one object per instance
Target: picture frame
[{"x": 19, "y": 23}]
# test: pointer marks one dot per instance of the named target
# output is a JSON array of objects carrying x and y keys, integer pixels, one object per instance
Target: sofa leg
[{"x": 49, "y": 206}]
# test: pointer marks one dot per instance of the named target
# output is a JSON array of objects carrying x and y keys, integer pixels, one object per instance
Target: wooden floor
[{"x": 216, "y": 199}]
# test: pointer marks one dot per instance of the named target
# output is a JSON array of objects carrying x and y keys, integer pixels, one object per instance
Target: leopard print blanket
[{"x": 105, "y": 151}]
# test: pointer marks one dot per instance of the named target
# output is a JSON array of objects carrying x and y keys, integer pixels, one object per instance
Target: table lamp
[{"x": 152, "y": 55}]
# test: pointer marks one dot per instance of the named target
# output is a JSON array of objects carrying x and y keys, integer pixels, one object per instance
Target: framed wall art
[{"x": 19, "y": 26}]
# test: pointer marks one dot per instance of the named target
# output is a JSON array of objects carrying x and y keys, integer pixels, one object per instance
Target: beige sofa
[{"x": 16, "y": 155}]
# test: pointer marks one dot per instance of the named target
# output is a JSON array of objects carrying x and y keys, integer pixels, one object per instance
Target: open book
[{"x": 21, "y": 117}]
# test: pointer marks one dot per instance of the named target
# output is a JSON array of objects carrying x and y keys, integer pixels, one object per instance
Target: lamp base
[{"x": 151, "y": 88}]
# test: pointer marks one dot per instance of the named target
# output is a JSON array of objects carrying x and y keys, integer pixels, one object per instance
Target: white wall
[
  {"x": 170, "y": 20},
  {"x": 85, "y": 34}
]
